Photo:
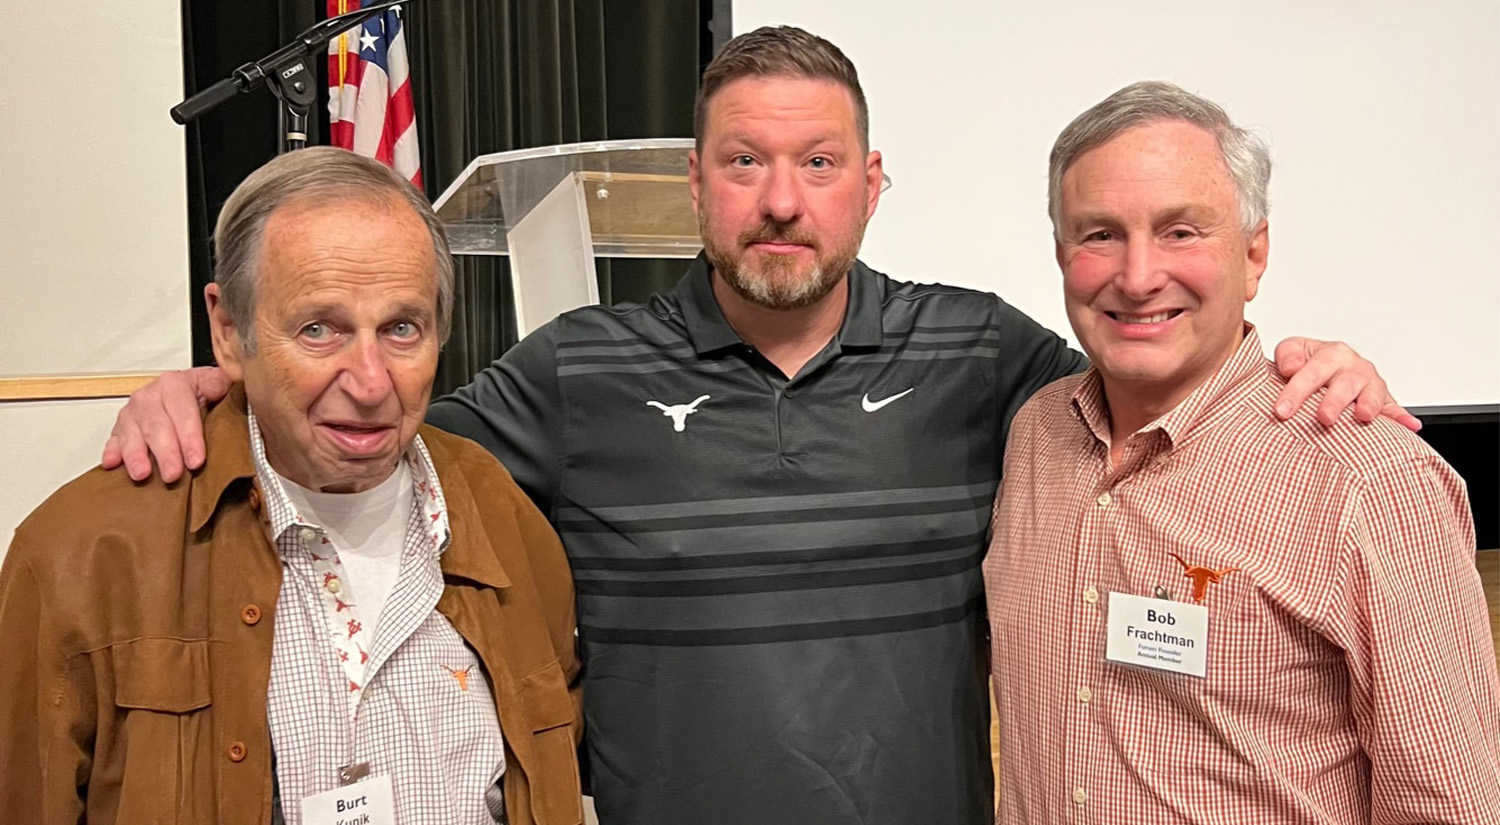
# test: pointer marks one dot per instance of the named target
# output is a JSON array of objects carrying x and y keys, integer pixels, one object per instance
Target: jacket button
[
  {"x": 255, "y": 499},
  {"x": 236, "y": 751},
  {"x": 250, "y": 614}
]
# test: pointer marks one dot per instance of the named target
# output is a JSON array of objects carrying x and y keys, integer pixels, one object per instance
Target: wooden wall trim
[{"x": 57, "y": 387}]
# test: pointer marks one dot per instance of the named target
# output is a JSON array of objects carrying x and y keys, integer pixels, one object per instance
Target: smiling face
[
  {"x": 346, "y": 340},
  {"x": 1156, "y": 266},
  {"x": 782, "y": 187}
]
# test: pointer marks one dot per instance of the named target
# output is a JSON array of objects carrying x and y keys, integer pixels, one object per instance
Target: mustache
[{"x": 771, "y": 231}]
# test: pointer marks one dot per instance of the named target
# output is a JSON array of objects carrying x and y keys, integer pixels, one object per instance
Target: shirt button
[
  {"x": 1079, "y": 796},
  {"x": 1104, "y": 499},
  {"x": 250, "y": 614},
  {"x": 334, "y": 587},
  {"x": 1085, "y": 695},
  {"x": 307, "y": 534},
  {"x": 236, "y": 751},
  {"x": 1090, "y": 595}
]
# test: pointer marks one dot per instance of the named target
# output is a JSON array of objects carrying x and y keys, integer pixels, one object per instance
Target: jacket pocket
[
  {"x": 165, "y": 675},
  {"x": 162, "y": 690},
  {"x": 554, "y": 782}
]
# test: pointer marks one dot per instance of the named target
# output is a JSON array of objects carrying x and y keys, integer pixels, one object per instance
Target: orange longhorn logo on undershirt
[
  {"x": 1201, "y": 577},
  {"x": 461, "y": 675}
]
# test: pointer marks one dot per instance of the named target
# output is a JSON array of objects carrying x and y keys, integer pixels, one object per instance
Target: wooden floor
[{"x": 1489, "y": 572}]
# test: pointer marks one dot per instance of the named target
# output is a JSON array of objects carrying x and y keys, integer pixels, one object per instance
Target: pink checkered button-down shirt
[{"x": 1351, "y": 677}]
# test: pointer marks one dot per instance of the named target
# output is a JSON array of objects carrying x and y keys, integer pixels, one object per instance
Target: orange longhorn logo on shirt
[
  {"x": 1201, "y": 577},
  {"x": 461, "y": 675}
]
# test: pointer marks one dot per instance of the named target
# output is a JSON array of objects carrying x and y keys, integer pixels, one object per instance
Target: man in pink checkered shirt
[{"x": 1201, "y": 613}]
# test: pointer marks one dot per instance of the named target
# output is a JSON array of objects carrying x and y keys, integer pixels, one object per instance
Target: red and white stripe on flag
[{"x": 370, "y": 107}]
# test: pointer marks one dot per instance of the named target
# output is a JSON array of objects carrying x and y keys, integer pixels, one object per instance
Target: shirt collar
[
  {"x": 709, "y": 332},
  {"x": 1206, "y": 404},
  {"x": 282, "y": 513}
]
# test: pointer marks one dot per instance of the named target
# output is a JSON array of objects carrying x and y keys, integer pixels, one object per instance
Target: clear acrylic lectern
[{"x": 555, "y": 208}]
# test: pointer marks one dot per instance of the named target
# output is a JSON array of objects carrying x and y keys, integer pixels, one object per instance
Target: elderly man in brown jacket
[{"x": 344, "y": 616}]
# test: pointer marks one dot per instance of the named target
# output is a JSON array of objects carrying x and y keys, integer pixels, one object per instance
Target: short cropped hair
[
  {"x": 1245, "y": 154},
  {"x": 313, "y": 175},
  {"x": 780, "y": 51}
]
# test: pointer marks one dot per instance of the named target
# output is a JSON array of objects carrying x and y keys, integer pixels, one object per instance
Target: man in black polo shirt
[{"x": 773, "y": 483}]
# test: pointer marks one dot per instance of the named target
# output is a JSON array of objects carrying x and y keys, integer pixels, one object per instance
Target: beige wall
[
  {"x": 93, "y": 223},
  {"x": 1383, "y": 117}
]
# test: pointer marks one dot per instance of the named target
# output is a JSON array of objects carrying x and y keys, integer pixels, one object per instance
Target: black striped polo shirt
[{"x": 779, "y": 594}]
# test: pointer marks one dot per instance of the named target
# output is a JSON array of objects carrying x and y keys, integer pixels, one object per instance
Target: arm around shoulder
[
  {"x": 1033, "y": 355},
  {"x": 513, "y": 409}
]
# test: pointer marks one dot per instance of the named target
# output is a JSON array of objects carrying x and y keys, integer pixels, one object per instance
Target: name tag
[
  {"x": 1157, "y": 633},
  {"x": 369, "y": 802}
]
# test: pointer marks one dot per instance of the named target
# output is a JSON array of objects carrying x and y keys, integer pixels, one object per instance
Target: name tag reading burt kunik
[
  {"x": 368, "y": 802},
  {"x": 1157, "y": 633}
]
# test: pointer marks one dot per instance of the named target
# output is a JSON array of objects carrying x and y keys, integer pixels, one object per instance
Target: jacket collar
[
  {"x": 709, "y": 332},
  {"x": 471, "y": 554},
  {"x": 226, "y": 437},
  {"x": 229, "y": 463}
]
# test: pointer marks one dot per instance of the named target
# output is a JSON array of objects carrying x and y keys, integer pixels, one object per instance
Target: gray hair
[
  {"x": 1245, "y": 154},
  {"x": 317, "y": 174}
]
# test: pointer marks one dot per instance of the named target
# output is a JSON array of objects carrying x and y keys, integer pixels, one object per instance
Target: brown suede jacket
[{"x": 135, "y": 641}]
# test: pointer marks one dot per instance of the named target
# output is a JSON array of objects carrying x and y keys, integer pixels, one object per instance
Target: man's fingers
[
  {"x": 181, "y": 434},
  {"x": 212, "y": 384},
  {"x": 127, "y": 438},
  {"x": 160, "y": 438},
  {"x": 111, "y": 458},
  {"x": 1371, "y": 400},
  {"x": 1398, "y": 414},
  {"x": 1342, "y": 391},
  {"x": 1291, "y": 355},
  {"x": 1298, "y": 389}
]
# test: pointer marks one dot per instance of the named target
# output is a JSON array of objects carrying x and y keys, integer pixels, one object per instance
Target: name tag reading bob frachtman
[{"x": 1157, "y": 633}]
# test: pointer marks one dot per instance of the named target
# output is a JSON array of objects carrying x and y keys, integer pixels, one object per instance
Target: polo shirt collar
[
  {"x": 710, "y": 333},
  {"x": 705, "y": 322},
  {"x": 863, "y": 320}
]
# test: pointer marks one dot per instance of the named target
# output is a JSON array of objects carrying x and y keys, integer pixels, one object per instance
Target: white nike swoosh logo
[{"x": 871, "y": 406}]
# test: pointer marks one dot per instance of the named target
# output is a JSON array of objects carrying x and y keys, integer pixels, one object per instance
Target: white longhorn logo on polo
[{"x": 678, "y": 412}]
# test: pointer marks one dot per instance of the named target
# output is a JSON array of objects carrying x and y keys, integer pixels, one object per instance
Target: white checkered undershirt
[{"x": 412, "y": 702}]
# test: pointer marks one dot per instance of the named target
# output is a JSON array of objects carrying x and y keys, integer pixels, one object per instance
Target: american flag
[{"x": 369, "y": 92}]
